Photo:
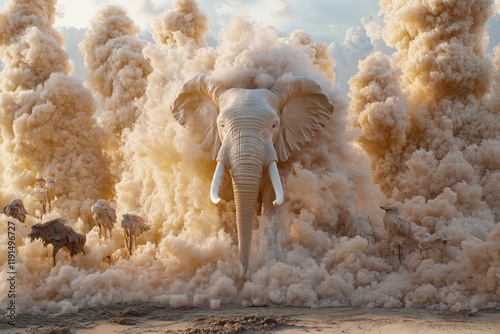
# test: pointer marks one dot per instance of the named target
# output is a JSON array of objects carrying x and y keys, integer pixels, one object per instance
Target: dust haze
[{"x": 419, "y": 129}]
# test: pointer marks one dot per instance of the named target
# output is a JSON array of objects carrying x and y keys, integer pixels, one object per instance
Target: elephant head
[{"x": 247, "y": 131}]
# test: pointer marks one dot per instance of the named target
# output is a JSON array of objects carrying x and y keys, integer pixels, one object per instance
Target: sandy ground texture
[{"x": 148, "y": 318}]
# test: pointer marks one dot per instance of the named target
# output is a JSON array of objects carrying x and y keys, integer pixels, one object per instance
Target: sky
[
  {"x": 341, "y": 24},
  {"x": 326, "y": 20}
]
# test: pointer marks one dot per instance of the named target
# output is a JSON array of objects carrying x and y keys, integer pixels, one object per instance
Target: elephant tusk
[
  {"x": 275, "y": 180},
  {"x": 214, "y": 187}
]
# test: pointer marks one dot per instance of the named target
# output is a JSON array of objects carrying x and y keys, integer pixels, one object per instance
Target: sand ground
[{"x": 149, "y": 318}]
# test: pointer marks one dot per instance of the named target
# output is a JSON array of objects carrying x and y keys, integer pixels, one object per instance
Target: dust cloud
[
  {"x": 117, "y": 72},
  {"x": 430, "y": 124},
  {"x": 419, "y": 130},
  {"x": 47, "y": 126}
]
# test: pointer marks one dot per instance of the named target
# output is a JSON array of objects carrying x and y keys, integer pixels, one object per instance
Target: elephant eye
[{"x": 274, "y": 125}]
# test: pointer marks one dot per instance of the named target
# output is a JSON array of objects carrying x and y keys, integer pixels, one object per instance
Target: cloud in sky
[
  {"x": 343, "y": 24},
  {"x": 326, "y": 21}
]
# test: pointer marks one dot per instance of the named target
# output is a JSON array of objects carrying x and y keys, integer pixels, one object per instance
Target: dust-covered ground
[{"x": 153, "y": 318}]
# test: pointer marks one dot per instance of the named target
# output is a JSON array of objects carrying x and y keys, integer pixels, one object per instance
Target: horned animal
[
  {"x": 133, "y": 225},
  {"x": 105, "y": 217},
  {"x": 59, "y": 235},
  {"x": 16, "y": 209}
]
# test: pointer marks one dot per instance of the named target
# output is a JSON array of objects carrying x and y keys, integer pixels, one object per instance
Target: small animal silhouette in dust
[
  {"x": 50, "y": 188},
  {"x": 16, "y": 209},
  {"x": 59, "y": 235},
  {"x": 133, "y": 225},
  {"x": 359, "y": 223},
  {"x": 397, "y": 226},
  {"x": 432, "y": 243},
  {"x": 105, "y": 217},
  {"x": 45, "y": 192}
]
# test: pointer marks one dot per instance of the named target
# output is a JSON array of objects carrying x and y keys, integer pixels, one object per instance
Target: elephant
[{"x": 248, "y": 131}]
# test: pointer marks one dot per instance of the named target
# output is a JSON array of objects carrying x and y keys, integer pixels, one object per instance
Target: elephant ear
[
  {"x": 195, "y": 107},
  {"x": 303, "y": 108}
]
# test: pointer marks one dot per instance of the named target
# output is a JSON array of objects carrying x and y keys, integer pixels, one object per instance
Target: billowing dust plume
[
  {"x": 117, "y": 74},
  {"x": 185, "y": 24},
  {"x": 432, "y": 132},
  {"x": 189, "y": 257},
  {"x": 495, "y": 83},
  {"x": 48, "y": 125}
]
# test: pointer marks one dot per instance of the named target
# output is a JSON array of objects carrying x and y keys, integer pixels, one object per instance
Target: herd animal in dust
[
  {"x": 55, "y": 231},
  {"x": 45, "y": 192},
  {"x": 16, "y": 209},
  {"x": 59, "y": 235},
  {"x": 105, "y": 217},
  {"x": 357, "y": 222},
  {"x": 428, "y": 243},
  {"x": 397, "y": 226},
  {"x": 133, "y": 225}
]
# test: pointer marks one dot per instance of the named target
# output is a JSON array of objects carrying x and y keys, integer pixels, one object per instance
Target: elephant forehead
[{"x": 253, "y": 101}]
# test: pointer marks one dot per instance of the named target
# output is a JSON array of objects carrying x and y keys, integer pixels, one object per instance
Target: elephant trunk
[
  {"x": 247, "y": 159},
  {"x": 246, "y": 173}
]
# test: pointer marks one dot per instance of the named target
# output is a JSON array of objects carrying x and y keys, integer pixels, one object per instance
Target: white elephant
[{"x": 247, "y": 131}]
